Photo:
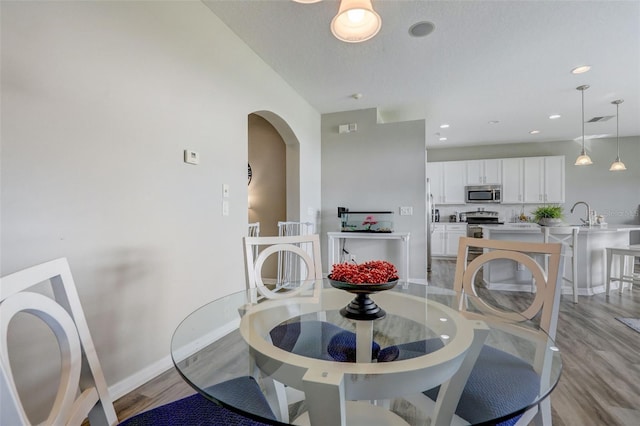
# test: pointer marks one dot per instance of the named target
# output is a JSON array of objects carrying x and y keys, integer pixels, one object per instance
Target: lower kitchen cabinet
[{"x": 445, "y": 238}]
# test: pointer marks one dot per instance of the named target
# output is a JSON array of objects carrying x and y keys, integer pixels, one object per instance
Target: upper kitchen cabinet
[
  {"x": 533, "y": 180},
  {"x": 512, "y": 180},
  {"x": 448, "y": 179},
  {"x": 480, "y": 172},
  {"x": 544, "y": 179}
]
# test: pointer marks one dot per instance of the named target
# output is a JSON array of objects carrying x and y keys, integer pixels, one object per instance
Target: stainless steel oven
[{"x": 474, "y": 230}]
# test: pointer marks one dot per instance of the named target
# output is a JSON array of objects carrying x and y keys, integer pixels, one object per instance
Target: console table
[{"x": 335, "y": 238}]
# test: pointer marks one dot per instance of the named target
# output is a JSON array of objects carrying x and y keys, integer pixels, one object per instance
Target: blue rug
[{"x": 633, "y": 323}]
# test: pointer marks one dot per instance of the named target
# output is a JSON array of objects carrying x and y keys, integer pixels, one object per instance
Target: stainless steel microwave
[{"x": 483, "y": 193}]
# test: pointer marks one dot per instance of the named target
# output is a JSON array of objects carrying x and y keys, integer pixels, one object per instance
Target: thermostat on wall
[{"x": 191, "y": 157}]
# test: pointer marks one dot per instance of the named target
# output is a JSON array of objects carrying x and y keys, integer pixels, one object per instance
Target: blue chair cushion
[
  {"x": 499, "y": 384},
  {"x": 319, "y": 340},
  {"x": 409, "y": 350},
  {"x": 197, "y": 410}
]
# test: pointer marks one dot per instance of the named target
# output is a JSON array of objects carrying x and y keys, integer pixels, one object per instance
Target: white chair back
[
  {"x": 304, "y": 250},
  {"x": 82, "y": 390},
  {"x": 546, "y": 301}
]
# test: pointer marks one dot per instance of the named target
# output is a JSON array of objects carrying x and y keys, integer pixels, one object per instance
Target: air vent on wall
[{"x": 599, "y": 119}]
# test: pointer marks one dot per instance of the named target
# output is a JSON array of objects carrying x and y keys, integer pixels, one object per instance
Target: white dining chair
[
  {"x": 82, "y": 390},
  {"x": 500, "y": 381},
  {"x": 568, "y": 237},
  {"x": 303, "y": 250},
  {"x": 626, "y": 256}
]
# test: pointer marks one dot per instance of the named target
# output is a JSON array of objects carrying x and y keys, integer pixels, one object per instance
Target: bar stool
[
  {"x": 627, "y": 274},
  {"x": 568, "y": 237}
]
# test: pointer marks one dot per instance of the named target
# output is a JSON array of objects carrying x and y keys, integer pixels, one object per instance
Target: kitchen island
[{"x": 590, "y": 253}]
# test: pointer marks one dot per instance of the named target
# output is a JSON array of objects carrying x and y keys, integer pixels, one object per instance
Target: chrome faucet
[{"x": 587, "y": 222}]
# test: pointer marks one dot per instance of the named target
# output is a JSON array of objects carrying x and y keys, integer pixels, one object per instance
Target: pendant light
[
  {"x": 583, "y": 159},
  {"x": 617, "y": 166},
  {"x": 356, "y": 21}
]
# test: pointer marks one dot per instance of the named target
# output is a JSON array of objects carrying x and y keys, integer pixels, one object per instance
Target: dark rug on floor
[{"x": 633, "y": 323}]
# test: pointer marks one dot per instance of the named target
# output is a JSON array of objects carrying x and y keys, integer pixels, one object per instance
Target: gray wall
[
  {"x": 615, "y": 195},
  {"x": 379, "y": 167}
]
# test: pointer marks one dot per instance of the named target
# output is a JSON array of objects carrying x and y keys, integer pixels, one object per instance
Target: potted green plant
[{"x": 550, "y": 215}]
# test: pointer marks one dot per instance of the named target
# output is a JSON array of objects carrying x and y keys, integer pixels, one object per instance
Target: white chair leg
[
  {"x": 609, "y": 259},
  {"x": 543, "y": 416},
  {"x": 574, "y": 277}
]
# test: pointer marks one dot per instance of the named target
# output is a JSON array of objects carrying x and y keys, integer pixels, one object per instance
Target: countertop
[{"x": 532, "y": 228}]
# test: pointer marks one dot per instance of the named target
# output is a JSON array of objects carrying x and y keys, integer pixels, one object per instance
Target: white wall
[
  {"x": 381, "y": 168},
  {"x": 99, "y": 100}
]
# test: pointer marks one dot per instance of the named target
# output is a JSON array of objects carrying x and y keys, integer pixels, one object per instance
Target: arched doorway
[{"x": 273, "y": 155}]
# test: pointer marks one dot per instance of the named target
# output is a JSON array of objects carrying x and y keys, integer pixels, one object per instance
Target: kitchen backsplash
[{"x": 506, "y": 212}]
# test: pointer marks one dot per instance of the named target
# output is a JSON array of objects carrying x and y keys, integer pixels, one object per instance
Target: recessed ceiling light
[
  {"x": 493, "y": 122},
  {"x": 442, "y": 139},
  {"x": 534, "y": 132},
  {"x": 554, "y": 116},
  {"x": 444, "y": 126},
  {"x": 581, "y": 69},
  {"x": 356, "y": 95},
  {"x": 421, "y": 29}
]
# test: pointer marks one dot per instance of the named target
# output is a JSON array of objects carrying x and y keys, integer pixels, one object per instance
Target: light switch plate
[
  {"x": 225, "y": 190},
  {"x": 225, "y": 208}
]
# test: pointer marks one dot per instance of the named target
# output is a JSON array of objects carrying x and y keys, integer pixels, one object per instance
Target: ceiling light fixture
[
  {"x": 444, "y": 126},
  {"x": 617, "y": 166},
  {"x": 493, "y": 122},
  {"x": 554, "y": 116},
  {"x": 442, "y": 139},
  {"x": 534, "y": 132},
  {"x": 583, "y": 159},
  {"x": 356, "y": 21},
  {"x": 581, "y": 69}
]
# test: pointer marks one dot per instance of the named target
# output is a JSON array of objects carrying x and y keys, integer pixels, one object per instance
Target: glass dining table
[{"x": 314, "y": 364}]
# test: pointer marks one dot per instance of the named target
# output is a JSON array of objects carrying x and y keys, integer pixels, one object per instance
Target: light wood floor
[{"x": 600, "y": 383}]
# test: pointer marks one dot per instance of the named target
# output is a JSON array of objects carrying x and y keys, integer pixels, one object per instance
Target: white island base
[{"x": 591, "y": 257}]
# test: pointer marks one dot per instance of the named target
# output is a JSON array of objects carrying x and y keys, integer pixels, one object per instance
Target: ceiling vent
[{"x": 600, "y": 119}]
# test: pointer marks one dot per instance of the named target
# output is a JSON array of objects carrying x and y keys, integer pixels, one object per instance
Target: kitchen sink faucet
[{"x": 587, "y": 222}]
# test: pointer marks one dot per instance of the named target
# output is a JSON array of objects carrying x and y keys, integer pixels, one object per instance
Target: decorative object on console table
[
  {"x": 365, "y": 221},
  {"x": 550, "y": 215}
]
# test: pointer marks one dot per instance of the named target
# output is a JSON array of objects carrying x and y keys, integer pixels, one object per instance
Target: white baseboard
[{"x": 138, "y": 379}]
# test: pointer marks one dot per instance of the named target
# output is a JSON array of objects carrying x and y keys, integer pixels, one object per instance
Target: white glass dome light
[
  {"x": 356, "y": 21},
  {"x": 583, "y": 159}
]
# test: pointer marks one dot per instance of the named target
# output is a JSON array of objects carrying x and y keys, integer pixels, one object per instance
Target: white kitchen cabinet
[
  {"x": 533, "y": 180},
  {"x": 435, "y": 175},
  {"x": 448, "y": 179},
  {"x": 453, "y": 234},
  {"x": 512, "y": 176},
  {"x": 481, "y": 172},
  {"x": 438, "y": 240},
  {"x": 544, "y": 179},
  {"x": 445, "y": 238},
  {"x": 554, "y": 179},
  {"x": 455, "y": 179}
]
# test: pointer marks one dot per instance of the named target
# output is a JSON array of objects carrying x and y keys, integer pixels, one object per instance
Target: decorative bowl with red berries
[{"x": 367, "y": 277}]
